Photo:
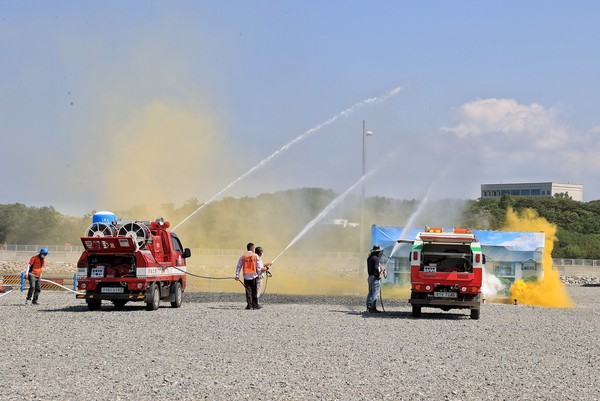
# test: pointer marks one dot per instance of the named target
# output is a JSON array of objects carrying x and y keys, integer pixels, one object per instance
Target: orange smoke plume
[{"x": 549, "y": 291}]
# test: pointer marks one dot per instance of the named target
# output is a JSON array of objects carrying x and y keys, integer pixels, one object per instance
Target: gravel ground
[{"x": 297, "y": 348}]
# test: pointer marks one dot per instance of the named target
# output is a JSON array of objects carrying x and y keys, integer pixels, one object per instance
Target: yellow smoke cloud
[
  {"x": 549, "y": 290},
  {"x": 161, "y": 155}
]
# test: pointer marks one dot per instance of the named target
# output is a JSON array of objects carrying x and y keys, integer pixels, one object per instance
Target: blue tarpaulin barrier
[{"x": 510, "y": 254}]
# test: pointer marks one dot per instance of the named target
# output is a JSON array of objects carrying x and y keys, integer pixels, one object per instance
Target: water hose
[
  {"x": 62, "y": 286},
  {"x": 381, "y": 292},
  {"x": 209, "y": 277},
  {"x": 47, "y": 281}
]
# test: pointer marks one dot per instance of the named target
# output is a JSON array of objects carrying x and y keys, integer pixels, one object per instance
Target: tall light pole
[{"x": 365, "y": 133}]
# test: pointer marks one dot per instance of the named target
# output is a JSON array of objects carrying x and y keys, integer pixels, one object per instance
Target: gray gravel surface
[{"x": 297, "y": 348}]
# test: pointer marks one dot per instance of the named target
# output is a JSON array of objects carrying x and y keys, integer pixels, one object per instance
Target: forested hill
[{"x": 274, "y": 219}]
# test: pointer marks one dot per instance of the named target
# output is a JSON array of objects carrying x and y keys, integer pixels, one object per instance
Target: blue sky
[{"x": 108, "y": 104}]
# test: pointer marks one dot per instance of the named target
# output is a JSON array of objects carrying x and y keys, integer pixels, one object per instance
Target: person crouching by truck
[
  {"x": 375, "y": 271},
  {"x": 248, "y": 264},
  {"x": 33, "y": 273}
]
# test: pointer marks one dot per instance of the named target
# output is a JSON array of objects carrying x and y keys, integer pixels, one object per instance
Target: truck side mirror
[
  {"x": 187, "y": 253},
  {"x": 483, "y": 258}
]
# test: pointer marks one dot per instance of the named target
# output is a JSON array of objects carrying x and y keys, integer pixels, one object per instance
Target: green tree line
[{"x": 274, "y": 219}]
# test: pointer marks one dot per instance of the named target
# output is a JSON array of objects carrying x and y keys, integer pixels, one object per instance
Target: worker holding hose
[
  {"x": 33, "y": 273},
  {"x": 261, "y": 267},
  {"x": 248, "y": 263},
  {"x": 375, "y": 271}
]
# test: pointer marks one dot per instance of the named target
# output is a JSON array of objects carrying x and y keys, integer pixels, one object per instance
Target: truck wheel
[
  {"x": 154, "y": 300},
  {"x": 94, "y": 304},
  {"x": 416, "y": 311},
  {"x": 119, "y": 303},
  {"x": 177, "y": 293},
  {"x": 475, "y": 313}
]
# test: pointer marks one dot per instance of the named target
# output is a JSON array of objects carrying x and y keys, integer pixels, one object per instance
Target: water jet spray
[
  {"x": 413, "y": 217},
  {"x": 299, "y": 138},
  {"x": 314, "y": 221}
]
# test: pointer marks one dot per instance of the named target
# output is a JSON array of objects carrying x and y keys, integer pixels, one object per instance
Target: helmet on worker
[{"x": 44, "y": 251}]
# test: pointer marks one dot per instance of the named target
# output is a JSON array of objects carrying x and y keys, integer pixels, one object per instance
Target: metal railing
[
  {"x": 35, "y": 248},
  {"x": 72, "y": 250},
  {"x": 576, "y": 262},
  {"x": 78, "y": 249}
]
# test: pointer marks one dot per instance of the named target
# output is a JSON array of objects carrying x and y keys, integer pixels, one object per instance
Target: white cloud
[
  {"x": 516, "y": 142},
  {"x": 508, "y": 123}
]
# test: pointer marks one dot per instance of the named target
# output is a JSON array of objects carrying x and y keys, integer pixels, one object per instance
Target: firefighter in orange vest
[
  {"x": 248, "y": 263},
  {"x": 34, "y": 274}
]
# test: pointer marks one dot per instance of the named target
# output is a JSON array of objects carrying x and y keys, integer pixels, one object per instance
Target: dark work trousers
[
  {"x": 35, "y": 284},
  {"x": 251, "y": 293}
]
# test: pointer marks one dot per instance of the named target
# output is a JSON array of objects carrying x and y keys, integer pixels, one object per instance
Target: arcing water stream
[
  {"x": 302, "y": 136},
  {"x": 409, "y": 224},
  {"x": 324, "y": 213}
]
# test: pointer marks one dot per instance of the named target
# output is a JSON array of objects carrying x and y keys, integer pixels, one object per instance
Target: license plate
[
  {"x": 430, "y": 269},
  {"x": 97, "y": 272},
  {"x": 444, "y": 294},
  {"x": 112, "y": 290}
]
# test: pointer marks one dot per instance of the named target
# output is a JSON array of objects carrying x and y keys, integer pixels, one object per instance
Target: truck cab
[{"x": 446, "y": 271}]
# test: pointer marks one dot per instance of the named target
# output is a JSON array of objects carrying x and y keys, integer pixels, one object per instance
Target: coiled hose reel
[
  {"x": 138, "y": 231},
  {"x": 100, "y": 230}
]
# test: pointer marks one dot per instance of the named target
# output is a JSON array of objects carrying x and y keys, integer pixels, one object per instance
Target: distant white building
[
  {"x": 549, "y": 189},
  {"x": 344, "y": 223}
]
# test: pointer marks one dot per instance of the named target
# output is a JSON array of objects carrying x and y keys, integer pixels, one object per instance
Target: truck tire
[
  {"x": 154, "y": 301},
  {"x": 177, "y": 294},
  {"x": 119, "y": 303},
  {"x": 94, "y": 304},
  {"x": 416, "y": 310},
  {"x": 475, "y": 313}
]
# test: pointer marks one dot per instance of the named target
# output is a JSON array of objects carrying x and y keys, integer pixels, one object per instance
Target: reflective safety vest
[
  {"x": 249, "y": 263},
  {"x": 36, "y": 265}
]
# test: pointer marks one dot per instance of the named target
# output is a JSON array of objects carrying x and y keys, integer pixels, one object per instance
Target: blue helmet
[{"x": 44, "y": 251}]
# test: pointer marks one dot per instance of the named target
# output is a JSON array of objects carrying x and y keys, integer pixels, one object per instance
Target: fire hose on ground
[
  {"x": 267, "y": 275},
  {"x": 62, "y": 286},
  {"x": 22, "y": 285}
]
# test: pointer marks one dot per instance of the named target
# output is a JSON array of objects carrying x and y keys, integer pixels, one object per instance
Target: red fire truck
[
  {"x": 132, "y": 261},
  {"x": 446, "y": 271}
]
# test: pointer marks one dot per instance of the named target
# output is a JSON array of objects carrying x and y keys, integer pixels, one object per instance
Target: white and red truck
[
  {"x": 446, "y": 270},
  {"x": 132, "y": 261}
]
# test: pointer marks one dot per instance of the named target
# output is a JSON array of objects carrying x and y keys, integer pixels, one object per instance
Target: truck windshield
[{"x": 438, "y": 257}]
